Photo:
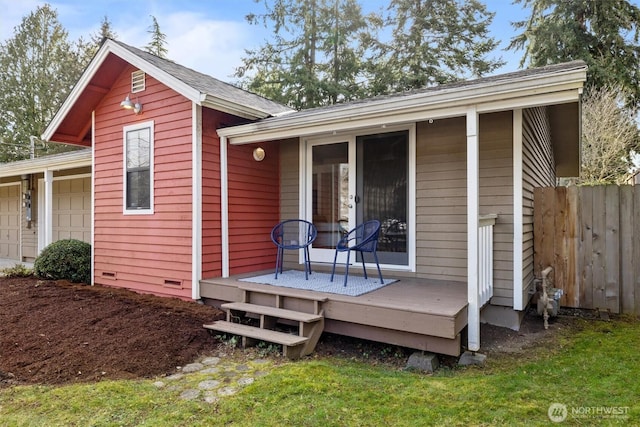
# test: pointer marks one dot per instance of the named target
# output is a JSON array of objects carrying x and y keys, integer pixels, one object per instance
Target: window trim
[{"x": 138, "y": 126}]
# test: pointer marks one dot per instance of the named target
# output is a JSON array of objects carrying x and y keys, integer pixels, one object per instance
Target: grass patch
[{"x": 593, "y": 366}]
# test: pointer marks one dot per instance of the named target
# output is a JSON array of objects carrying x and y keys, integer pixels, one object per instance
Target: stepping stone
[
  {"x": 227, "y": 391},
  {"x": 210, "y": 397},
  {"x": 209, "y": 361},
  {"x": 189, "y": 394},
  {"x": 245, "y": 381},
  {"x": 208, "y": 384},
  {"x": 158, "y": 384},
  {"x": 213, "y": 370},
  {"x": 174, "y": 377},
  {"x": 193, "y": 367}
]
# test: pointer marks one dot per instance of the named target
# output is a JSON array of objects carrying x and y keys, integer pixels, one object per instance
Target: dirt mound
[{"x": 59, "y": 332}]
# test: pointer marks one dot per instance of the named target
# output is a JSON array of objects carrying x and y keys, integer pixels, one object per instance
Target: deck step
[
  {"x": 293, "y": 346},
  {"x": 256, "y": 333},
  {"x": 279, "y": 313}
]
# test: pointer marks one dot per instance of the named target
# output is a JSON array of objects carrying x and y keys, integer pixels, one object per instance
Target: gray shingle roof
[
  {"x": 479, "y": 82},
  {"x": 209, "y": 85}
]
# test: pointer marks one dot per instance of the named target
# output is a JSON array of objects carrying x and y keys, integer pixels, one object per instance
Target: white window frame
[{"x": 125, "y": 130}]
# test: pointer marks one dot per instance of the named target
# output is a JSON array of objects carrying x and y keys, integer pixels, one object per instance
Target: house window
[{"x": 138, "y": 168}]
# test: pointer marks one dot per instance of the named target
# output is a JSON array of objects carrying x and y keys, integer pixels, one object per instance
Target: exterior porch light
[
  {"x": 127, "y": 104},
  {"x": 258, "y": 154}
]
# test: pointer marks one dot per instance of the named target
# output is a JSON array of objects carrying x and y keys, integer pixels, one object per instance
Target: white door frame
[{"x": 305, "y": 180}]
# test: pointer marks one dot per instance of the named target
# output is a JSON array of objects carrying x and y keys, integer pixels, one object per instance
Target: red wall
[
  {"x": 148, "y": 253},
  {"x": 254, "y": 207}
]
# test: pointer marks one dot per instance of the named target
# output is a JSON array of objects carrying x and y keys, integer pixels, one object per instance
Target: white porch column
[
  {"x": 224, "y": 206},
  {"x": 473, "y": 211},
  {"x": 196, "y": 203},
  {"x": 48, "y": 207},
  {"x": 518, "y": 228}
]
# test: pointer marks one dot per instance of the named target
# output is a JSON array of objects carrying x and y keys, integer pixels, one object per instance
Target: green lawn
[{"x": 592, "y": 369}]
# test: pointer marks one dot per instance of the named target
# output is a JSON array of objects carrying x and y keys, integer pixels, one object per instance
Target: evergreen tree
[
  {"x": 433, "y": 42},
  {"x": 106, "y": 31},
  {"x": 39, "y": 67},
  {"x": 602, "y": 33},
  {"x": 314, "y": 57},
  {"x": 157, "y": 45}
]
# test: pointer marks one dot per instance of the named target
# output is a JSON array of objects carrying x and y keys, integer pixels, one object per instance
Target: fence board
[
  {"x": 591, "y": 236},
  {"x": 586, "y": 249},
  {"x": 627, "y": 228},
  {"x": 598, "y": 232},
  {"x": 612, "y": 248},
  {"x": 572, "y": 245},
  {"x": 559, "y": 243}
]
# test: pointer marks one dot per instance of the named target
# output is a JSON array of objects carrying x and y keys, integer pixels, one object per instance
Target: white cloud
[{"x": 209, "y": 46}]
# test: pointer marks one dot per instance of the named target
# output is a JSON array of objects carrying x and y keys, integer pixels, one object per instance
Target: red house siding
[
  {"x": 254, "y": 191},
  {"x": 148, "y": 253}
]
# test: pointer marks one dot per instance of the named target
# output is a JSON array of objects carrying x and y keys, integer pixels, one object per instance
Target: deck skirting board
[{"x": 451, "y": 347}]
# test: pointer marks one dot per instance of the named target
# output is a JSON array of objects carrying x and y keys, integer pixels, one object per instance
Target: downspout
[
  {"x": 224, "y": 207},
  {"x": 473, "y": 211},
  {"x": 196, "y": 202}
]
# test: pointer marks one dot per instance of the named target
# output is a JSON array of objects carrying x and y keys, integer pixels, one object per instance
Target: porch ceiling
[{"x": 565, "y": 138}]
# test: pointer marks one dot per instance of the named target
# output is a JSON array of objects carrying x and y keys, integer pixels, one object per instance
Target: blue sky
[{"x": 207, "y": 35}]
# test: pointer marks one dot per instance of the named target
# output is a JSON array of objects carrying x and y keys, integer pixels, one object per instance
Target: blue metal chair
[
  {"x": 363, "y": 238},
  {"x": 294, "y": 234}
]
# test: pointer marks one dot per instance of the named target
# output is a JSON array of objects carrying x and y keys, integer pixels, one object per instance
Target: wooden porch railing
[{"x": 485, "y": 258}]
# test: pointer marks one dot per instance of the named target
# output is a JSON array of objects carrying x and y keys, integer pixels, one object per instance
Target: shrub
[
  {"x": 65, "y": 260},
  {"x": 18, "y": 270}
]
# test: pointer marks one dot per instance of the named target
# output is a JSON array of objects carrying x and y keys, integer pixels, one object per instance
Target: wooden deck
[{"x": 415, "y": 313}]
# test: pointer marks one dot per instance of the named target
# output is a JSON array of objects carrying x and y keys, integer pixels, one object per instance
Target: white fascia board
[
  {"x": 230, "y": 107},
  {"x": 490, "y": 97},
  {"x": 75, "y": 159}
]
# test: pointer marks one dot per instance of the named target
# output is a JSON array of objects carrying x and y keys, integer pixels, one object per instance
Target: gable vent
[{"x": 137, "y": 81}]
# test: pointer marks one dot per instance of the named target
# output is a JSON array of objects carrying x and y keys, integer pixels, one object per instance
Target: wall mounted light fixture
[
  {"x": 258, "y": 154},
  {"x": 127, "y": 104}
]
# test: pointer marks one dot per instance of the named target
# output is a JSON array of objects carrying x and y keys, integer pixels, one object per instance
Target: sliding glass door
[{"x": 356, "y": 179}]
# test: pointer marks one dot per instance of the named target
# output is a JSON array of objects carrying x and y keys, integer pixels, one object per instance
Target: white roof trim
[
  {"x": 522, "y": 92},
  {"x": 70, "y": 160},
  {"x": 225, "y": 106}
]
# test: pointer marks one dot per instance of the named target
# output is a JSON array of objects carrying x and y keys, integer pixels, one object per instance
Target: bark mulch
[{"x": 55, "y": 332}]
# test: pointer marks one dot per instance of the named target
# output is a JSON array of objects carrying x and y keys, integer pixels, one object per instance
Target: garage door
[
  {"x": 10, "y": 222},
  {"x": 72, "y": 209}
]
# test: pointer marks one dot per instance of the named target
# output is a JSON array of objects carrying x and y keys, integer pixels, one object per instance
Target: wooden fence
[{"x": 591, "y": 237}]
